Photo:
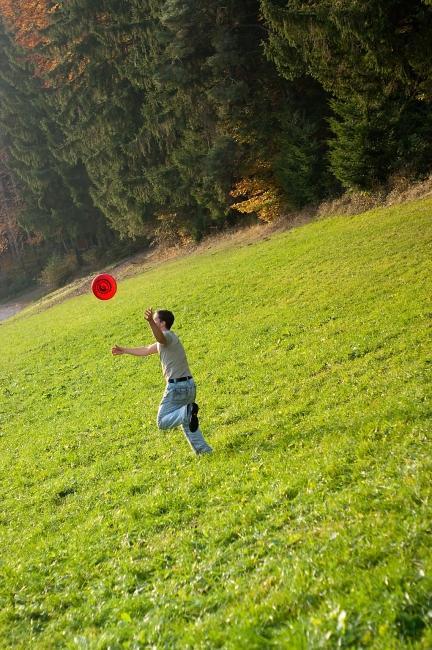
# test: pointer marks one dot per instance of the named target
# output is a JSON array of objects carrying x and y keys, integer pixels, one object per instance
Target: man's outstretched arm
[{"x": 145, "y": 351}]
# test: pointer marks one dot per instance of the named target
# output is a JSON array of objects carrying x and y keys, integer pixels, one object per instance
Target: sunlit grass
[{"x": 310, "y": 525}]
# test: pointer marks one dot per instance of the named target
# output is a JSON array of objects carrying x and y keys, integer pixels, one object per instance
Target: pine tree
[
  {"x": 373, "y": 58},
  {"x": 98, "y": 108},
  {"x": 168, "y": 105},
  {"x": 55, "y": 195},
  {"x": 133, "y": 86}
]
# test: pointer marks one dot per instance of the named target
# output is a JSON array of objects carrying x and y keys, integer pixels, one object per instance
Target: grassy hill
[{"x": 310, "y": 525}]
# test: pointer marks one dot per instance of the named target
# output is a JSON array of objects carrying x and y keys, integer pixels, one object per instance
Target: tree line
[{"x": 168, "y": 119}]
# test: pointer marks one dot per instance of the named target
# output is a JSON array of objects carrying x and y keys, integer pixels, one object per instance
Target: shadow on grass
[{"x": 411, "y": 620}]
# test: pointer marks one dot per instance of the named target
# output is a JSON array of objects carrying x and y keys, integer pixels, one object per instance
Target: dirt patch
[{"x": 12, "y": 307}]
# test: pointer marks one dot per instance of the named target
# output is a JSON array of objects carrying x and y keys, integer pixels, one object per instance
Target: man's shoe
[{"x": 193, "y": 417}]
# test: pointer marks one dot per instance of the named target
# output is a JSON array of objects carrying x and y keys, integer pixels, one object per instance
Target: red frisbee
[{"x": 104, "y": 286}]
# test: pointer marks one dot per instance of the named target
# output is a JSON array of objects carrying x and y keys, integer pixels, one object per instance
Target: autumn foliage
[{"x": 26, "y": 18}]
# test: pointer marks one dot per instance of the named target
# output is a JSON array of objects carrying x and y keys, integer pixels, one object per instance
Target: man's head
[{"x": 164, "y": 318}]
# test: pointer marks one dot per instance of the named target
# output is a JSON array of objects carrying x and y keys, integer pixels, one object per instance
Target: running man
[{"x": 178, "y": 406}]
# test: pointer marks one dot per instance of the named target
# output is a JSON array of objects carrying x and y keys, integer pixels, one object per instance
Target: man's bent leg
[
  {"x": 170, "y": 419},
  {"x": 170, "y": 414},
  {"x": 174, "y": 411}
]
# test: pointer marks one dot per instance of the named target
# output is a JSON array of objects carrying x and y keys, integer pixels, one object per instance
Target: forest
[{"x": 124, "y": 124}]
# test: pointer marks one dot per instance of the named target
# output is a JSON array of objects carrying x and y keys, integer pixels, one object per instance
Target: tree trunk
[{"x": 6, "y": 209}]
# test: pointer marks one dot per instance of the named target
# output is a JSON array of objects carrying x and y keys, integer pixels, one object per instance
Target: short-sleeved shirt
[{"x": 173, "y": 357}]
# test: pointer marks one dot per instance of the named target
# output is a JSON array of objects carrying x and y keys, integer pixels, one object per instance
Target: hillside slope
[{"x": 309, "y": 527}]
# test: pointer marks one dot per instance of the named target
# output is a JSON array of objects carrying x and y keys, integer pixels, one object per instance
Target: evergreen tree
[
  {"x": 247, "y": 113},
  {"x": 373, "y": 58},
  {"x": 99, "y": 75},
  {"x": 55, "y": 195},
  {"x": 169, "y": 103},
  {"x": 301, "y": 158}
]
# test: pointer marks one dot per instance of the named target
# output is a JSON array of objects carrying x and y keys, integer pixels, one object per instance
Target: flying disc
[{"x": 104, "y": 286}]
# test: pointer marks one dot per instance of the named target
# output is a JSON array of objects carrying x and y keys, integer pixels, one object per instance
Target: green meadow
[{"x": 310, "y": 525}]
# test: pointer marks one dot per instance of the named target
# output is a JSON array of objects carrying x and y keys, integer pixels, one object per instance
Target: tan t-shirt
[{"x": 173, "y": 357}]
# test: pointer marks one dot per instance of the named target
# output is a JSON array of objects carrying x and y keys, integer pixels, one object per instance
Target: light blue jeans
[{"x": 173, "y": 412}]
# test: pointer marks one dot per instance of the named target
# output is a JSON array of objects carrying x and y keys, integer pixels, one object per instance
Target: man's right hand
[
  {"x": 117, "y": 350},
  {"x": 148, "y": 314}
]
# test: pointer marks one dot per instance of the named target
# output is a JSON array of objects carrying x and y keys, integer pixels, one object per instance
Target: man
[{"x": 178, "y": 406}]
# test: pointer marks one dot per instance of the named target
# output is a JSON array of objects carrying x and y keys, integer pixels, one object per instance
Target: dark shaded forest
[{"x": 127, "y": 123}]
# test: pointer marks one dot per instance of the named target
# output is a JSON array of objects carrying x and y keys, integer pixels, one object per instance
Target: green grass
[{"x": 310, "y": 525}]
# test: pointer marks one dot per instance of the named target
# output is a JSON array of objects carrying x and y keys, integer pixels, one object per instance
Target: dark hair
[{"x": 166, "y": 316}]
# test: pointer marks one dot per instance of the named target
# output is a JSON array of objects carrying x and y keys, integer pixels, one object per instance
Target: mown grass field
[{"x": 309, "y": 527}]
